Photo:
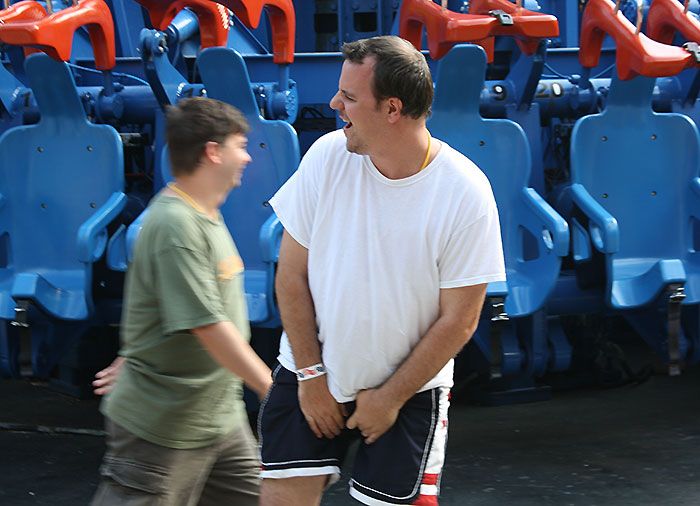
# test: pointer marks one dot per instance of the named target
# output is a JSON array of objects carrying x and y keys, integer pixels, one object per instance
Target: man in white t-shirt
[{"x": 390, "y": 239}]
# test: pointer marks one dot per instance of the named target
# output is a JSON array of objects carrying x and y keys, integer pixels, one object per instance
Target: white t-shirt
[{"x": 380, "y": 250}]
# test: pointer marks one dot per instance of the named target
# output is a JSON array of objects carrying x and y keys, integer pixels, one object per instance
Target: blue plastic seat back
[
  {"x": 56, "y": 176},
  {"x": 639, "y": 165},
  {"x": 273, "y": 145},
  {"x": 500, "y": 148},
  {"x": 274, "y": 149}
]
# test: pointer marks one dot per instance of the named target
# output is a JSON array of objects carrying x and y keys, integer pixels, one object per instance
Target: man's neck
[
  {"x": 203, "y": 198},
  {"x": 403, "y": 152}
]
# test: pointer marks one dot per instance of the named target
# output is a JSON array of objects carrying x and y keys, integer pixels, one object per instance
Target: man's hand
[
  {"x": 325, "y": 416},
  {"x": 107, "y": 377},
  {"x": 374, "y": 414}
]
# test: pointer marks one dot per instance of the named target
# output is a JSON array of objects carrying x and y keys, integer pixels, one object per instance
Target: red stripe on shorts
[
  {"x": 426, "y": 500},
  {"x": 430, "y": 479}
]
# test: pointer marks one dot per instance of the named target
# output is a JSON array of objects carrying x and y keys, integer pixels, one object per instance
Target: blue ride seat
[
  {"x": 274, "y": 148},
  {"x": 535, "y": 237},
  {"x": 636, "y": 193},
  {"x": 121, "y": 244},
  {"x": 61, "y": 185}
]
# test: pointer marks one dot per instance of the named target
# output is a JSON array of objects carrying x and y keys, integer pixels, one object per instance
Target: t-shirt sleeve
[
  {"x": 188, "y": 291},
  {"x": 296, "y": 201},
  {"x": 474, "y": 254}
]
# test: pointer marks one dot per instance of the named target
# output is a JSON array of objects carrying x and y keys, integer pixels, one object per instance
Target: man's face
[
  {"x": 357, "y": 106},
  {"x": 234, "y": 157}
]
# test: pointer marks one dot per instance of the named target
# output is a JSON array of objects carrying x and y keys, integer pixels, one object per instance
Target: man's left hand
[
  {"x": 107, "y": 377},
  {"x": 374, "y": 414}
]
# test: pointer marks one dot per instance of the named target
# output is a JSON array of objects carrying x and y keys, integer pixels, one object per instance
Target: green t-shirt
[{"x": 185, "y": 273}]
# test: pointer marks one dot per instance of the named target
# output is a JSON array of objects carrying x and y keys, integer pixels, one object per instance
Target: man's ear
[
  {"x": 212, "y": 153},
  {"x": 394, "y": 106}
]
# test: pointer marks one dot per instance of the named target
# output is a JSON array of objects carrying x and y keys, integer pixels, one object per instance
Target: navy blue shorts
[{"x": 402, "y": 467}]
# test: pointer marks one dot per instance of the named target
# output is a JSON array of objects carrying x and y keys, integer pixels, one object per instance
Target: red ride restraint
[
  {"x": 213, "y": 18},
  {"x": 636, "y": 54},
  {"x": 446, "y": 28},
  {"x": 54, "y": 34}
]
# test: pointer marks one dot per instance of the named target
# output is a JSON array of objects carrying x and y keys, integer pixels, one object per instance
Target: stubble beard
[{"x": 354, "y": 146}]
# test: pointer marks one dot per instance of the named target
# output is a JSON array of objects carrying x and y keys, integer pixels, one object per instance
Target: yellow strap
[
  {"x": 186, "y": 197},
  {"x": 427, "y": 155}
]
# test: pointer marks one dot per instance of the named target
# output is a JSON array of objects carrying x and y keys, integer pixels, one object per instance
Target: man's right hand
[{"x": 325, "y": 416}]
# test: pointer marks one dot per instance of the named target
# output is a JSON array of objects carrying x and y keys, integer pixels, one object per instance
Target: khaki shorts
[{"x": 136, "y": 472}]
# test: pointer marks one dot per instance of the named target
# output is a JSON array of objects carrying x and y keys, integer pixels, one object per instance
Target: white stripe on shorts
[{"x": 333, "y": 473}]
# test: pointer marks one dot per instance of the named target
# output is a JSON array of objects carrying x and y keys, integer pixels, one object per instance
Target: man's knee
[{"x": 298, "y": 491}]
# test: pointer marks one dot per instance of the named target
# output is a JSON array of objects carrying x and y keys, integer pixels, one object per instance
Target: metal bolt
[
  {"x": 557, "y": 90},
  {"x": 40, "y": 149},
  {"x": 678, "y": 295},
  {"x": 92, "y": 204},
  {"x": 605, "y": 138},
  {"x": 481, "y": 143},
  {"x": 262, "y": 145},
  {"x": 653, "y": 194},
  {"x": 89, "y": 148},
  {"x": 653, "y": 137},
  {"x": 605, "y": 195}
]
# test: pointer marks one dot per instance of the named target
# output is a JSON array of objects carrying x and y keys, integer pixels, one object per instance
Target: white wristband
[{"x": 312, "y": 371}]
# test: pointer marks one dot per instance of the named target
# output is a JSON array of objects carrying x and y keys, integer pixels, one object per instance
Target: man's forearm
[
  {"x": 298, "y": 317},
  {"x": 228, "y": 347},
  {"x": 445, "y": 338},
  {"x": 323, "y": 414},
  {"x": 441, "y": 343},
  {"x": 377, "y": 409}
]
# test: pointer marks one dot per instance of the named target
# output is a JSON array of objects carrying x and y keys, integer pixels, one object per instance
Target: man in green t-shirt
[{"x": 177, "y": 431}]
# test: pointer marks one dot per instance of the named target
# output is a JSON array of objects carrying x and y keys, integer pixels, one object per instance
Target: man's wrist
[
  {"x": 393, "y": 395},
  {"x": 313, "y": 371}
]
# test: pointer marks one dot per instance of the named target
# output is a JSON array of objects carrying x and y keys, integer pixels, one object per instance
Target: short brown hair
[
  {"x": 192, "y": 123},
  {"x": 400, "y": 71}
]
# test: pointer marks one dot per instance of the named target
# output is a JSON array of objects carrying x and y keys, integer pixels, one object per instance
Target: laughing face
[
  {"x": 234, "y": 157},
  {"x": 357, "y": 106}
]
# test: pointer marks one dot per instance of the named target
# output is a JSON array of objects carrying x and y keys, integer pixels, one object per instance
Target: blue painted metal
[
  {"x": 535, "y": 237},
  {"x": 9, "y": 351},
  {"x": 635, "y": 193},
  {"x": 626, "y": 248},
  {"x": 56, "y": 206},
  {"x": 168, "y": 84},
  {"x": 274, "y": 148},
  {"x": 342, "y": 21},
  {"x": 225, "y": 77},
  {"x": 128, "y": 22},
  {"x": 121, "y": 244},
  {"x": 639, "y": 216},
  {"x": 59, "y": 201}
]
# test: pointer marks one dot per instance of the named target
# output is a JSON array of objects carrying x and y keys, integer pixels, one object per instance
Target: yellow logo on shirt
[{"x": 230, "y": 267}]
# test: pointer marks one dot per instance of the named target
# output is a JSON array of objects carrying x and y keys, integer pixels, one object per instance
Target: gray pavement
[{"x": 634, "y": 445}]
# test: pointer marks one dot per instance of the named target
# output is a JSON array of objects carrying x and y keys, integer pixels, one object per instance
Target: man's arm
[
  {"x": 377, "y": 408},
  {"x": 227, "y": 346},
  {"x": 323, "y": 414}
]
